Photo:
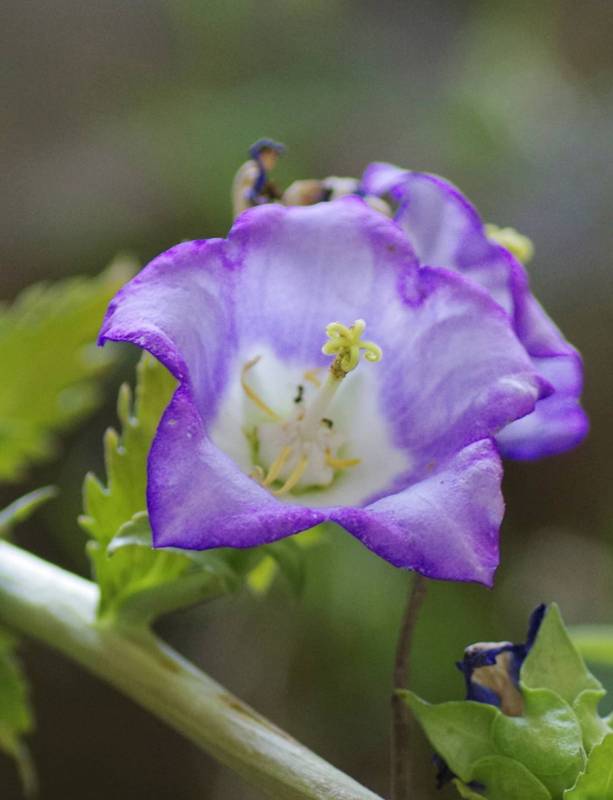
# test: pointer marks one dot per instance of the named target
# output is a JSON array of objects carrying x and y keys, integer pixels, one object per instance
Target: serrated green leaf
[
  {"x": 506, "y": 779},
  {"x": 596, "y": 783},
  {"x": 546, "y": 739},
  {"x": 461, "y": 732},
  {"x": 554, "y": 663},
  {"x": 15, "y": 713},
  {"x": 109, "y": 507},
  {"x": 20, "y": 509},
  {"x": 139, "y": 583},
  {"x": 594, "y": 728},
  {"x": 50, "y": 363}
]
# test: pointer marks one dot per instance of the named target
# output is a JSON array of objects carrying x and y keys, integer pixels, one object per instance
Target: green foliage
[
  {"x": 23, "y": 507},
  {"x": 554, "y": 661},
  {"x": 596, "y": 783},
  {"x": 15, "y": 713},
  {"x": 16, "y": 718},
  {"x": 558, "y": 748},
  {"x": 508, "y": 779},
  {"x": 546, "y": 739},
  {"x": 460, "y": 732},
  {"x": 50, "y": 361},
  {"x": 138, "y": 583}
]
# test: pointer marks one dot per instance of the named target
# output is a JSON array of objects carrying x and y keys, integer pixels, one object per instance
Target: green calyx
[{"x": 558, "y": 749}]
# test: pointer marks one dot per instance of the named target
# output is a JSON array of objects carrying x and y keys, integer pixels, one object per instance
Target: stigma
[{"x": 304, "y": 449}]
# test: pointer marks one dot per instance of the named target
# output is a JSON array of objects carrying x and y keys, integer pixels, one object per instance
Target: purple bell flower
[
  {"x": 269, "y": 433},
  {"x": 445, "y": 230}
]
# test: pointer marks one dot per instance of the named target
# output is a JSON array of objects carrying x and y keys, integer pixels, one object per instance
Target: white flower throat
[{"x": 304, "y": 450}]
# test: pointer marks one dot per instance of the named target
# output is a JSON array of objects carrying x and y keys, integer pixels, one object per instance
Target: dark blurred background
[{"x": 122, "y": 125}]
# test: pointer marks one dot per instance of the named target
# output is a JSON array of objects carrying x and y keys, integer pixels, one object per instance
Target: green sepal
[
  {"x": 51, "y": 363},
  {"x": 593, "y": 726},
  {"x": 465, "y": 791},
  {"x": 554, "y": 662},
  {"x": 544, "y": 750},
  {"x": 22, "y": 508},
  {"x": 507, "y": 779},
  {"x": 596, "y": 783},
  {"x": 546, "y": 739},
  {"x": 16, "y": 718},
  {"x": 460, "y": 731}
]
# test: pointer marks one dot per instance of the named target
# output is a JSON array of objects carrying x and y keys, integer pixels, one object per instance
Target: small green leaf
[
  {"x": 109, "y": 507},
  {"x": 20, "y": 509},
  {"x": 139, "y": 583},
  {"x": 593, "y": 726},
  {"x": 15, "y": 713},
  {"x": 465, "y": 791},
  {"x": 554, "y": 663},
  {"x": 596, "y": 783},
  {"x": 134, "y": 533},
  {"x": 547, "y": 739},
  {"x": 506, "y": 779},
  {"x": 461, "y": 732},
  {"x": 50, "y": 363},
  {"x": 289, "y": 556}
]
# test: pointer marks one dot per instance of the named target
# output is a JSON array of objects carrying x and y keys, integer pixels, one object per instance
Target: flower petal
[
  {"x": 446, "y": 231},
  {"x": 456, "y": 372},
  {"x": 446, "y": 526},
  {"x": 198, "y": 498},
  {"x": 180, "y": 309},
  {"x": 558, "y": 423}
]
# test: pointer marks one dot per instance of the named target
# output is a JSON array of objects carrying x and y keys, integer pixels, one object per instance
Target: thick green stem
[{"x": 59, "y": 608}]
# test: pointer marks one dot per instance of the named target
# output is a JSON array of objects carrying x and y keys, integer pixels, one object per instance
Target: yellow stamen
[
  {"x": 345, "y": 343},
  {"x": 253, "y": 396},
  {"x": 311, "y": 376},
  {"x": 518, "y": 244},
  {"x": 277, "y": 465},
  {"x": 294, "y": 477},
  {"x": 257, "y": 473},
  {"x": 341, "y": 463}
]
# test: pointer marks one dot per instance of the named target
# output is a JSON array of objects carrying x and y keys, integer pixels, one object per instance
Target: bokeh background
[{"x": 122, "y": 125}]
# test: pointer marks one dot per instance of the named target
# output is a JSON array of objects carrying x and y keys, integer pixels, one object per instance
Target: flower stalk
[
  {"x": 401, "y": 756},
  {"x": 58, "y": 608}
]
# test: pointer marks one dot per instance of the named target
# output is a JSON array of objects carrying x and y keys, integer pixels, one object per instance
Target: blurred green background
[{"x": 123, "y": 124}]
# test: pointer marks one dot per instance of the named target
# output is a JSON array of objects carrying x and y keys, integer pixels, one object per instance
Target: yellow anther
[
  {"x": 345, "y": 343},
  {"x": 518, "y": 244},
  {"x": 311, "y": 376},
  {"x": 294, "y": 476},
  {"x": 253, "y": 396},
  {"x": 341, "y": 463},
  {"x": 277, "y": 465}
]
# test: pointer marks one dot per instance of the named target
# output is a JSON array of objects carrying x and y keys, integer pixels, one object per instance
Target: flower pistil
[{"x": 302, "y": 451}]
